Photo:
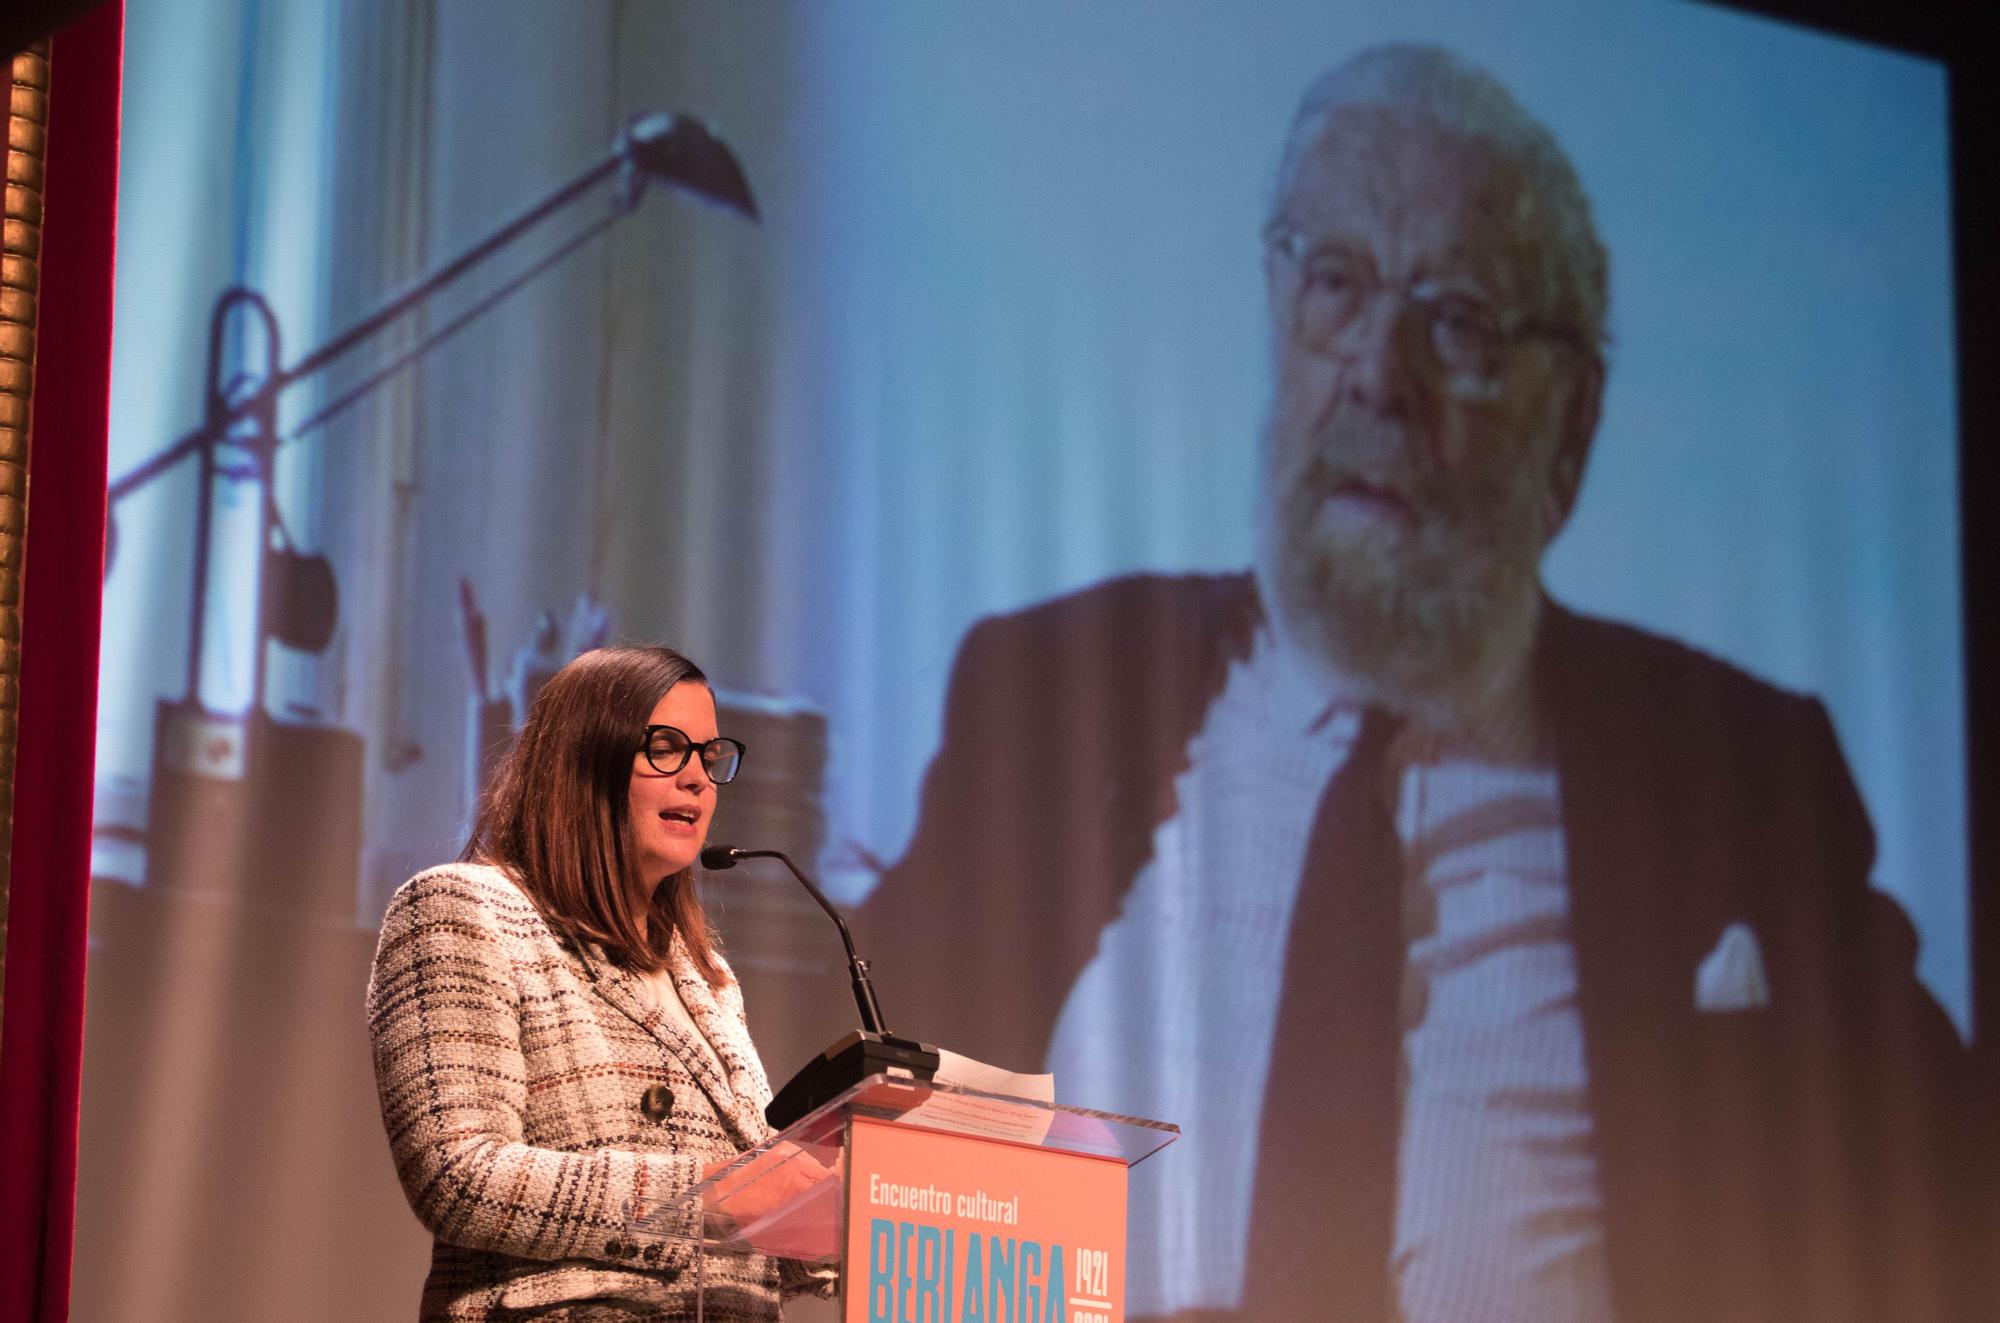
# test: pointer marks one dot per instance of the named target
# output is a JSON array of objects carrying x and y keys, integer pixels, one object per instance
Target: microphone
[
  {"x": 715, "y": 858},
  {"x": 873, "y": 1051}
]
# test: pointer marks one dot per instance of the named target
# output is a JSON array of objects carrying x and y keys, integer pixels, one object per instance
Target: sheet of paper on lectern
[{"x": 992, "y": 1117}]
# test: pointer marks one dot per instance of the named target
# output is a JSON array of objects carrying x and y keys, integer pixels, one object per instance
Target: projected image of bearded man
[
  {"x": 1416, "y": 463},
  {"x": 1499, "y": 962}
]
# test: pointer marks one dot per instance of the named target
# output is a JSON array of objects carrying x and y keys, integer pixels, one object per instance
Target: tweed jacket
[{"x": 513, "y": 1070}]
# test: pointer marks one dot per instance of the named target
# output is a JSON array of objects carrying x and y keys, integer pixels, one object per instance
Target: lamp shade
[{"x": 682, "y": 153}]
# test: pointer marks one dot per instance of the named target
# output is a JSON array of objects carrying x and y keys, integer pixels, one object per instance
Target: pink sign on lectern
[{"x": 947, "y": 1228}]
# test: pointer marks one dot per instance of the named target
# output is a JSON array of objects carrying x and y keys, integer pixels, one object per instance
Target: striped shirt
[{"x": 1498, "y": 1214}]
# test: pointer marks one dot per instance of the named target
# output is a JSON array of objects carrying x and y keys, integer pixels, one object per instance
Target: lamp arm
[
  {"x": 211, "y": 430},
  {"x": 449, "y": 272},
  {"x": 674, "y": 149}
]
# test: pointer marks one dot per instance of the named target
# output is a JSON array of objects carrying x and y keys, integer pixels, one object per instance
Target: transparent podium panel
[{"x": 786, "y": 1197}]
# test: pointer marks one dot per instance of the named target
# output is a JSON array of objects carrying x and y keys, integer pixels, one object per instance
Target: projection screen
[{"x": 965, "y": 470}]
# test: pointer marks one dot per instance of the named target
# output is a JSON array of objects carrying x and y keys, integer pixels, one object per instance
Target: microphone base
[{"x": 845, "y": 1064}]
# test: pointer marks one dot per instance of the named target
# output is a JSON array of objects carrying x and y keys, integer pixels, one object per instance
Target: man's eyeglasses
[
  {"x": 1467, "y": 338},
  {"x": 667, "y": 748}
]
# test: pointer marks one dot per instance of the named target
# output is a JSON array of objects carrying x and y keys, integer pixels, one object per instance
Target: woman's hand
[{"x": 777, "y": 1177}]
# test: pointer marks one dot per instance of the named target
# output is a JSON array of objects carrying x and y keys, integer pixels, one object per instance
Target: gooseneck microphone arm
[{"x": 715, "y": 858}]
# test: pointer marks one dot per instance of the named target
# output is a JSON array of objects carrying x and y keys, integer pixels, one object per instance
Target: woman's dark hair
[{"x": 553, "y": 814}]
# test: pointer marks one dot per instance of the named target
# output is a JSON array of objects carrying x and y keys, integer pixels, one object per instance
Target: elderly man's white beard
[{"x": 1432, "y": 623}]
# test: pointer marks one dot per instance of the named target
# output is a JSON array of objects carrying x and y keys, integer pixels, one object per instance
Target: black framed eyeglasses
[{"x": 667, "y": 748}]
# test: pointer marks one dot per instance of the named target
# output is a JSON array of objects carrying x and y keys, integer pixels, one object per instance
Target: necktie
[{"x": 1324, "y": 1200}]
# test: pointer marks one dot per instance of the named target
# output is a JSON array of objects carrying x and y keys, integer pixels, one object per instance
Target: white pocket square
[{"x": 1731, "y": 977}]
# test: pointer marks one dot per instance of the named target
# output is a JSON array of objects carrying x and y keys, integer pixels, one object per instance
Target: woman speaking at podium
[{"x": 556, "y": 1034}]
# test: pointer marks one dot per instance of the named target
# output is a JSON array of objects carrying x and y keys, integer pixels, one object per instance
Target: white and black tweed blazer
[{"x": 514, "y": 1071}]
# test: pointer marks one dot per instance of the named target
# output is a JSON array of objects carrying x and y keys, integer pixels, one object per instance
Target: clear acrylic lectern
[{"x": 932, "y": 1199}]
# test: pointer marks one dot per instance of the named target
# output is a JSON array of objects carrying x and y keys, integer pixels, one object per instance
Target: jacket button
[
  {"x": 657, "y": 1102},
  {"x": 614, "y": 1249}
]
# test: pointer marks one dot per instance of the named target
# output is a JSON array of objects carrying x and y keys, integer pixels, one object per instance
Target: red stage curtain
[{"x": 41, "y": 1042}]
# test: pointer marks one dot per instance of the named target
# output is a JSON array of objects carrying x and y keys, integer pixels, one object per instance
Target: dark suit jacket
[{"x": 1822, "y": 1159}]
